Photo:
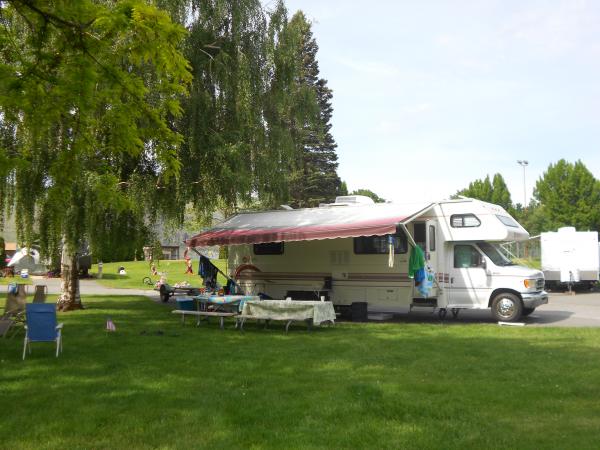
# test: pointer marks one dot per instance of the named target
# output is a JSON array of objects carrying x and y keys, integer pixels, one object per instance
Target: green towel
[{"x": 416, "y": 261}]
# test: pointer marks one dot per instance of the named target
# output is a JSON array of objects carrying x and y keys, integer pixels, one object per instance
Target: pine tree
[{"x": 315, "y": 180}]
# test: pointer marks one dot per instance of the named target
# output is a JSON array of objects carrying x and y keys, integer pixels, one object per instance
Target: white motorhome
[
  {"x": 570, "y": 257},
  {"x": 342, "y": 251}
]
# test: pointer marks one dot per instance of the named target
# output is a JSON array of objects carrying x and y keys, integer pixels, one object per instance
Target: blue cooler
[{"x": 186, "y": 304}]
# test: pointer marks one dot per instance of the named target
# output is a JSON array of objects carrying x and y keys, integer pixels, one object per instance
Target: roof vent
[{"x": 354, "y": 200}]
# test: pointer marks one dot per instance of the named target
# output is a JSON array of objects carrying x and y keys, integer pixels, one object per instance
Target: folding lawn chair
[
  {"x": 41, "y": 326},
  {"x": 5, "y": 325},
  {"x": 14, "y": 309},
  {"x": 41, "y": 291}
]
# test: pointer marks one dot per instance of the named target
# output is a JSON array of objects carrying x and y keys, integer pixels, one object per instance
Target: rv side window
[
  {"x": 269, "y": 248},
  {"x": 464, "y": 221},
  {"x": 466, "y": 256},
  {"x": 431, "y": 238},
  {"x": 378, "y": 245}
]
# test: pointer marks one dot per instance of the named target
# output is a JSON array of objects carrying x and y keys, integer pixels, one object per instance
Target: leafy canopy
[
  {"x": 88, "y": 94},
  {"x": 570, "y": 196}
]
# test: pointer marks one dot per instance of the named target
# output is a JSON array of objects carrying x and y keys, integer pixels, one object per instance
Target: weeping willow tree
[
  {"x": 240, "y": 119},
  {"x": 94, "y": 143},
  {"x": 89, "y": 92}
]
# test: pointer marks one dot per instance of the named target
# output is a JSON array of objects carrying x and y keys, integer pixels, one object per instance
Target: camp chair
[
  {"x": 5, "y": 325},
  {"x": 41, "y": 290},
  {"x": 41, "y": 326},
  {"x": 15, "y": 300},
  {"x": 14, "y": 309}
]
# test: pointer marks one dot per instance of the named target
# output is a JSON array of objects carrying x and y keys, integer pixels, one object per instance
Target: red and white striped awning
[{"x": 308, "y": 224}]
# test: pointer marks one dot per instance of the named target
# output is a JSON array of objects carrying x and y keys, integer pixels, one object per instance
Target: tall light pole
[{"x": 523, "y": 163}]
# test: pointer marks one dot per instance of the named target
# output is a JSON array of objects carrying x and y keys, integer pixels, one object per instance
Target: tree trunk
[{"x": 70, "y": 298}]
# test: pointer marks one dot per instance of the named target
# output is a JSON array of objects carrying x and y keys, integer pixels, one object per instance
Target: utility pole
[{"x": 523, "y": 163}]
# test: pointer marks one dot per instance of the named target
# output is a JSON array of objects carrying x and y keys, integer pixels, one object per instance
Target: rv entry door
[{"x": 468, "y": 278}]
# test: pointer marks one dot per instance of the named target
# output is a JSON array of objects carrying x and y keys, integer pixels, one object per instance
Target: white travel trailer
[
  {"x": 342, "y": 251},
  {"x": 570, "y": 257}
]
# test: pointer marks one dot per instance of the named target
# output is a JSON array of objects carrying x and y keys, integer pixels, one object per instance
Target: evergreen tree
[{"x": 315, "y": 180}]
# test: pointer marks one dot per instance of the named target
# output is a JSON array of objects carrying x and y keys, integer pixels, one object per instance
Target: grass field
[
  {"x": 173, "y": 270},
  {"x": 157, "y": 384}
]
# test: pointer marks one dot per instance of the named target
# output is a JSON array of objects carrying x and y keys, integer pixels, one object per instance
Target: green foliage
[
  {"x": 567, "y": 194},
  {"x": 570, "y": 196},
  {"x": 343, "y": 189},
  {"x": 239, "y": 120},
  {"x": 368, "y": 193},
  {"x": 89, "y": 91},
  {"x": 2, "y": 253},
  {"x": 494, "y": 191},
  {"x": 315, "y": 180}
]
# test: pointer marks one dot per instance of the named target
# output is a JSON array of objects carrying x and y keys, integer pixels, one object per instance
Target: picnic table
[
  {"x": 220, "y": 306},
  {"x": 224, "y": 302},
  {"x": 312, "y": 312}
]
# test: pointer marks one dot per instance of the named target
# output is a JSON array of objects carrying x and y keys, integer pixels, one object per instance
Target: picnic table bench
[{"x": 199, "y": 314}]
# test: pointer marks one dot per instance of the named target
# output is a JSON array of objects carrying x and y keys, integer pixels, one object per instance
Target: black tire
[
  {"x": 507, "y": 307},
  {"x": 527, "y": 311},
  {"x": 442, "y": 313},
  {"x": 455, "y": 312}
]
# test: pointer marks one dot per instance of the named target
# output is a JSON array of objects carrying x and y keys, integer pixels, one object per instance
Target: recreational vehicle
[
  {"x": 354, "y": 251},
  {"x": 570, "y": 258}
]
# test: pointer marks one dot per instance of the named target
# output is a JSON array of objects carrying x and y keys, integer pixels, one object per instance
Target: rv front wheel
[
  {"x": 527, "y": 311},
  {"x": 507, "y": 307}
]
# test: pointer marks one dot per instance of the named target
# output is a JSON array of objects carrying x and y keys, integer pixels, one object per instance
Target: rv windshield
[{"x": 493, "y": 252}]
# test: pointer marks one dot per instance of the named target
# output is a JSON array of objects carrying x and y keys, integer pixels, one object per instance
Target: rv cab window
[
  {"x": 466, "y": 256},
  {"x": 269, "y": 248},
  {"x": 464, "y": 221},
  {"x": 378, "y": 245}
]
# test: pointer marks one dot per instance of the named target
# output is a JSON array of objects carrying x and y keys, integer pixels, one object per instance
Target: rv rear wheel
[{"x": 507, "y": 307}]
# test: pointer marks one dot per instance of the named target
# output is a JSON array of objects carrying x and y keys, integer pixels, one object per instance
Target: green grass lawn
[
  {"x": 157, "y": 384},
  {"x": 529, "y": 262},
  {"x": 174, "y": 271}
]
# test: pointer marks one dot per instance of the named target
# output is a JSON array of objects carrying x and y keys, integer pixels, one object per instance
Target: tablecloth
[
  {"x": 317, "y": 311},
  {"x": 226, "y": 299}
]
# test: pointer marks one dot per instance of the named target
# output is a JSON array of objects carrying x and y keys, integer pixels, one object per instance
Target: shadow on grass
[{"x": 352, "y": 386}]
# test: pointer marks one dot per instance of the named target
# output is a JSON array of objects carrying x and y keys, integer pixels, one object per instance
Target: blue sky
[{"x": 430, "y": 95}]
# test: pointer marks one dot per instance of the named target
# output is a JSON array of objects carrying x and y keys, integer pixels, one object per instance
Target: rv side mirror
[{"x": 483, "y": 263}]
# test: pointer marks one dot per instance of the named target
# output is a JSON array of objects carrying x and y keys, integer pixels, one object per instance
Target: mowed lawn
[
  {"x": 136, "y": 271},
  {"x": 157, "y": 384}
]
